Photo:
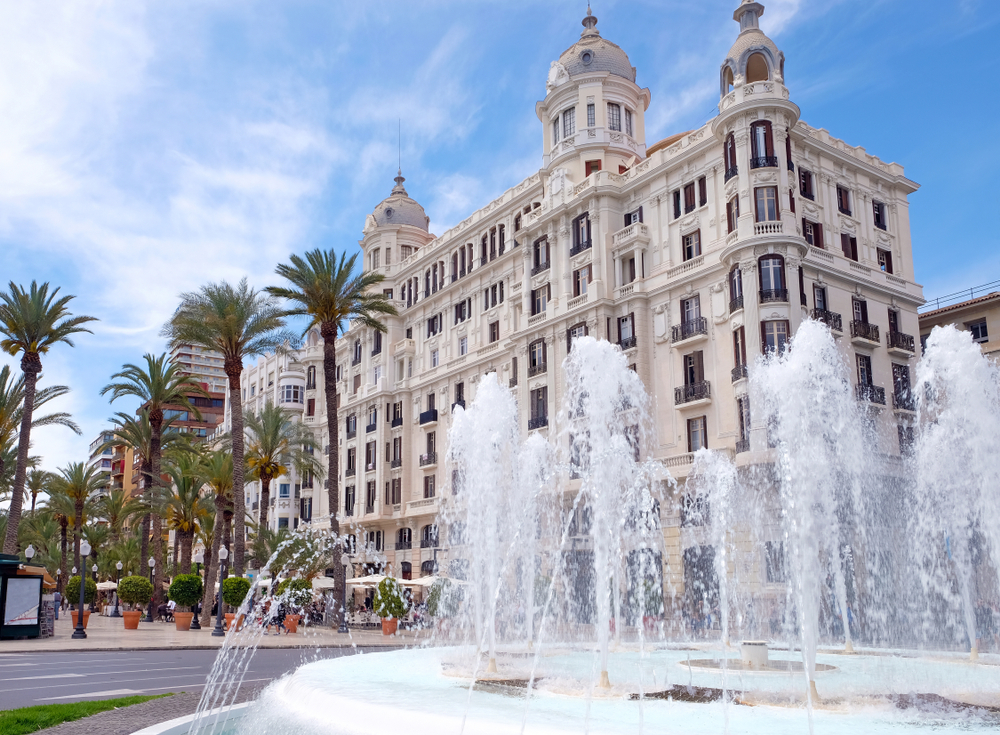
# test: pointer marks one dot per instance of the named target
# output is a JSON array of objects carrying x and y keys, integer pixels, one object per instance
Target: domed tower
[
  {"x": 593, "y": 115},
  {"x": 394, "y": 231}
]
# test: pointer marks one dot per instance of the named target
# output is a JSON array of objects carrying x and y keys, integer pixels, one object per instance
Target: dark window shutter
[
  {"x": 702, "y": 191},
  {"x": 699, "y": 366},
  {"x": 802, "y": 287},
  {"x": 768, "y": 139},
  {"x": 569, "y": 340},
  {"x": 640, "y": 214},
  {"x": 845, "y": 244},
  {"x": 763, "y": 336},
  {"x": 818, "y": 229},
  {"x": 628, "y": 218}
]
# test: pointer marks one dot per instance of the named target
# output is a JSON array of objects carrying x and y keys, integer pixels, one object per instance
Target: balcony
[
  {"x": 538, "y": 369},
  {"x": 428, "y": 417},
  {"x": 689, "y": 329},
  {"x": 398, "y": 421},
  {"x": 370, "y": 428},
  {"x": 742, "y": 445},
  {"x": 356, "y": 361},
  {"x": 350, "y": 472},
  {"x": 351, "y": 433},
  {"x": 482, "y": 260},
  {"x": 791, "y": 166},
  {"x": 870, "y": 394},
  {"x": 773, "y": 295},
  {"x": 764, "y": 162},
  {"x": 428, "y": 543},
  {"x": 627, "y": 343},
  {"x": 736, "y": 304},
  {"x": 459, "y": 402},
  {"x": 770, "y": 227},
  {"x": 404, "y": 545},
  {"x": 899, "y": 343},
  {"x": 349, "y": 510},
  {"x": 864, "y": 333},
  {"x": 807, "y": 195},
  {"x": 635, "y": 232},
  {"x": 396, "y": 463},
  {"x": 377, "y": 350},
  {"x": 369, "y": 509},
  {"x": 844, "y": 210},
  {"x": 829, "y": 318},
  {"x": 903, "y": 401},
  {"x": 739, "y": 372},
  {"x": 731, "y": 172},
  {"x": 512, "y": 383},
  {"x": 537, "y": 422},
  {"x": 370, "y": 467},
  {"x": 429, "y": 459},
  {"x": 580, "y": 247},
  {"x": 540, "y": 268},
  {"x": 693, "y": 392}
]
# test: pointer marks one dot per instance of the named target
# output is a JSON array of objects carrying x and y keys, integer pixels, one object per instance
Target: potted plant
[
  {"x": 135, "y": 591},
  {"x": 186, "y": 591},
  {"x": 234, "y": 590},
  {"x": 652, "y": 604},
  {"x": 389, "y": 604},
  {"x": 73, "y": 595},
  {"x": 298, "y": 594}
]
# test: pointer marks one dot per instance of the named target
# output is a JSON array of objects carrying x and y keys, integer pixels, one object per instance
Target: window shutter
[
  {"x": 702, "y": 191},
  {"x": 845, "y": 244},
  {"x": 628, "y": 218},
  {"x": 802, "y": 287},
  {"x": 640, "y": 214},
  {"x": 768, "y": 139},
  {"x": 699, "y": 366},
  {"x": 763, "y": 337},
  {"x": 818, "y": 229},
  {"x": 569, "y": 340}
]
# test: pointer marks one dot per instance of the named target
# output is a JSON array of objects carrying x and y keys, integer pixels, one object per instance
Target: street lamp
[
  {"x": 29, "y": 553},
  {"x": 149, "y": 613},
  {"x": 84, "y": 553},
  {"x": 223, "y": 555},
  {"x": 345, "y": 560},
  {"x": 199, "y": 557},
  {"x": 118, "y": 581},
  {"x": 94, "y": 570}
]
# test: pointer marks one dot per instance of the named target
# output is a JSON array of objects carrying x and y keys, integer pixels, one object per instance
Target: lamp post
[
  {"x": 345, "y": 560},
  {"x": 223, "y": 555},
  {"x": 94, "y": 570},
  {"x": 199, "y": 557},
  {"x": 118, "y": 581},
  {"x": 29, "y": 553},
  {"x": 149, "y": 613},
  {"x": 84, "y": 553}
]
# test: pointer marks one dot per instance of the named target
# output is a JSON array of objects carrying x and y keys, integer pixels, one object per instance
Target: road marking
[
  {"x": 109, "y": 693},
  {"x": 46, "y": 676}
]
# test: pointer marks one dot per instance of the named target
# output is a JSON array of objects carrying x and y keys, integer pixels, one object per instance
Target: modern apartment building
[
  {"x": 693, "y": 254},
  {"x": 102, "y": 458},
  {"x": 204, "y": 364},
  {"x": 977, "y": 314}
]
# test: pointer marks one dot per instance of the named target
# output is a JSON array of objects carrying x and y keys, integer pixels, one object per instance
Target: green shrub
[
  {"x": 73, "y": 590},
  {"x": 389, "y": 602},
  {"x": 234, "y": 590},
  {"x": 135, "y": 590},
  {"x": 186, "y": 589},
  {"x": 299, "y": 591},
  {"x": 444, "y": 598}
]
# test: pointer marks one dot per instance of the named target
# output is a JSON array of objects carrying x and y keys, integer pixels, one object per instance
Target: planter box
[
  {"x": 132, "y": 618},
  {"x": 86, "y": 617},
  {"x": 182, "y": 620},
  {"x": 389, "y": 626},
  {"x": 292, "y": 623}
]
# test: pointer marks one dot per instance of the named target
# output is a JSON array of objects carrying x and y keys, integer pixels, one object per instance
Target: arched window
[
  {"x": 403, "y": 538},
  {"x": 772, "y": 279},
  {"x": 406, "y": 570},
  {"x": 727, "y": 80},
  {"x": 310, "y": 377},
  {"x": 762, "y": 145},
  {"x": 729, "y": 153},
  {"x": 757, "y": 70},
  {"x": 735, "y": 289},
  {"x": 454, "y": 266},
  {"x": 429, "y": 536}
]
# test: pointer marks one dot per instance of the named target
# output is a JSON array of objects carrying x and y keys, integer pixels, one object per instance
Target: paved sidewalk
[{"x": 109, "y": 634}]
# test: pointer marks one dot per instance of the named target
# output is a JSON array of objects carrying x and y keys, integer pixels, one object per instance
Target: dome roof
[
  {"x": 399, "y": 209},
  {"x": 593, "y": 53},
  {"x": 750, "y": 38}
]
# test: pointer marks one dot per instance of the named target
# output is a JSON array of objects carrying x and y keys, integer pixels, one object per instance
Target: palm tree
[
  {"x": 330, "y": 294},
  {"x": 218, "y": 474},
  {"x": 126, "y": 551},
  {"x": 99, "y": 538},
  {"x": 78, "y": 482},
  {"x": 118, "y": 508},
  {"x": 185, "y": 507},
  {"x": 32, "y": 321},
  {"x": 37, "y": 482},
  {"x": 159, "y": 385},
  {"x": 42, "y": 531},
  {"x": 62, "y": 508},
  {"x": 275, "y": 443},
  {"x": 239, "y": 322}
]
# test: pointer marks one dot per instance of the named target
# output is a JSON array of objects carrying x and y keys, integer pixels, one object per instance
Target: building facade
[
  {"x": 206, "y": 365},
  {"x": 978, "y": 315},
  {"x": 694, "y": 254}
]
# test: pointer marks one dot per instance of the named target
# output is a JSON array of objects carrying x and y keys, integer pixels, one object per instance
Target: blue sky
[{"x": 147, "y": 148}]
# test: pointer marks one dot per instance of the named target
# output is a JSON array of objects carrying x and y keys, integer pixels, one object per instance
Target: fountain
[{"x": 831, "y": 584}]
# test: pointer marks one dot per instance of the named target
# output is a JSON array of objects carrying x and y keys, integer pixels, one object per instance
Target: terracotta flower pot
[
  {"x": 389, "y": 626},
  {"x": 132, "y": 618},
  {"x": 86, "y": 617},
  {"x": 292, "y": 623},
  {"x": 229, "y": 620},
  {"x": 182, "y": 620}
]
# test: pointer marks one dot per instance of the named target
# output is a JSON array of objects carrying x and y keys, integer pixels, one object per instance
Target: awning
[
  {"x": 422, "y": 582},
  {"x": 324, "y": 583},
  {"x": 106, "y": 586},
  {"x": 372, "y": 580}
]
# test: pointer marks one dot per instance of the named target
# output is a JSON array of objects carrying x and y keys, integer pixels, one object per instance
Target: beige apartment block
[
  {"x": 979, "y": 315},
  {"x": 694, "y": 254}
]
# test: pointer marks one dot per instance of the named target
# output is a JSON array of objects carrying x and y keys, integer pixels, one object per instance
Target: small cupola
[{"x": 754, "y": 57}]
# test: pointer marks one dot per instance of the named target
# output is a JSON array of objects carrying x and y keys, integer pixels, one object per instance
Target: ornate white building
[{"x": 694, "y": 254}]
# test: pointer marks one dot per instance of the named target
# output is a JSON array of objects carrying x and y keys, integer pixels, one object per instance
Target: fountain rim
[{"x": 182, "y": 725}]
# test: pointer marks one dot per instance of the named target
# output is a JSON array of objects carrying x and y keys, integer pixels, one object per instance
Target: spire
[
  {"x": 398, "y": 188},
  {"x": 590, "y": 24},
  {"x": 747, "y": 14}
]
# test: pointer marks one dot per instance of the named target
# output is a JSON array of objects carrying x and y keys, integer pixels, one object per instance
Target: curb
[{"x": 386, "y": 646}]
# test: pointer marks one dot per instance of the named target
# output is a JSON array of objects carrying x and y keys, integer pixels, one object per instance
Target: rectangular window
[
  {"x": 569, "y": 122},
  {"x": 536, "y": 357},
  {"x": 864, "y": 370},
  {"x": 574, "y": 333},
  {"x": 878, "y": 210},
  {"x": 694, "y": 368},
  {"x": 767, "y": 203},
  {"x": 762, "y": 146},
  {"x": 357, "y": 383},
  {"x": 885, "y": 260},
  {"x": 539, "y": 403},
  {"x": 813, "y": 233},
  {"x": 633, "y": 217},
  {"x": 691, "y": 245},
  {"x": 463, "y": 346},
  {"x": 614, "y": 117},
  {"x": 581, "y": 232},
  {"x": 311, "y": 407},
  {"x": 702, "y": 192},
  {"x": 806, "y": 184},
  {"x": 591, "y": 117},
  {"x": 284, "y": 490},
  {"x": 732, "y": 213},
  {"x": 581, "y": 280},
  {"x": 689, "y": 198},
  {"x": 592, "y": 167},
  {"x": 774, "y": 336},
  {"x": 494, "y": 331},
  {"x": 628, "y": 122},
  {"x": 697, "y": 435},
  {"x": 626, "y": 328},
  {"x": 739, "y": 347},
  {"x": 435, "y": 357},
  {"x": 677, "y": 203},
  {"x": 375, "y": 259},
  {"x": 774, "y": 562},
  {"x": 540, "y": 253},
  {"x": 428, "y": 486},
  {"x": 691, "y": 309},
  {"x": 539, "y": 299},
  {"x": 979, "y": 331},
  {"x": 819, "y": 297},
  {"x": 555, "y": 130},
  {"x": 349, "y": 495},
  {"x": 849, "y": 245},
  {"x": 859, "y": 308},
  {"x": 843, "y": 199}
]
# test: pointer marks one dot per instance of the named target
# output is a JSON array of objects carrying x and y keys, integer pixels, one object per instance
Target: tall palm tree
[
  {"x": 158, "y": 385},
  {"x": 62, "y": 509},
  {"x": 117, "y": 508},
  {"x": 238, "y": 322},
  {"x": 31, "y": 321},
  {"x": 38, "y": 482},
  {"x": 330, "y": 294},
  {"x": 99, "y": 538},
  {"x": 276, "y": 442},
  {"x": 42, "y": 531},
  {"x": 126, "y": 551},
  {"x": 218, "y": 474},
  {"x": 79, "y": 482},
  {"x": 184, "y": 508}
]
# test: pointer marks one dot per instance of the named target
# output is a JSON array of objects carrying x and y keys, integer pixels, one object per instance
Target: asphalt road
[{"x": 28, "y": 679}]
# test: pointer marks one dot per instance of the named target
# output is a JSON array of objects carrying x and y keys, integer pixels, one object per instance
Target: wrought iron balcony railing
[
  {"x": 829, "y": 318},
  {"x": 690, "y": 328},
  {"x": 692, "y": 392}
]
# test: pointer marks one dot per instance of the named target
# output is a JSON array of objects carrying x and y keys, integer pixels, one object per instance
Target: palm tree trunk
[
  {"x": 185, "y": 559},
  {"x": 265, "y": 500},
  {"x": 211, "y": 568},
  {"x": 31, "y": 365},
  {"x": 63, "y": 541},
  {"x": 77, "y": 534},
  {"x": 177, "y": 559},
  {"x": 234, "y": 369},
  {"x": 156, "y": 427},
  {"x": 144, "y": 541},
  {"x": 147, "y": 491},
  {"x": 329, "y": 333},
  {"x": 34, "y": 496}
]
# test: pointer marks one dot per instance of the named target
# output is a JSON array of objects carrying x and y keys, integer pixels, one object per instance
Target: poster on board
[{"x": 21, "y": 604}]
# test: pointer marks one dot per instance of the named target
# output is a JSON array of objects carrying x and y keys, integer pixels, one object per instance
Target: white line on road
[
  {"x": 109, "y": 693},
  {"x": 46, "y": 676}
]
